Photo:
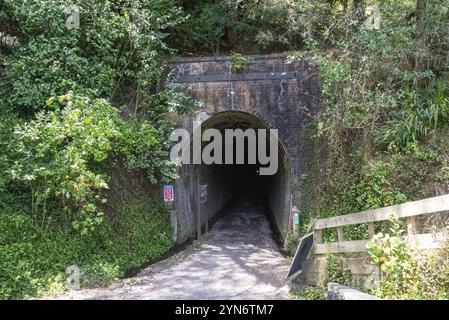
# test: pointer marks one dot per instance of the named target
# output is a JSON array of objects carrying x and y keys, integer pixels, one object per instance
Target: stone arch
[{"x": 283, "y": 93}]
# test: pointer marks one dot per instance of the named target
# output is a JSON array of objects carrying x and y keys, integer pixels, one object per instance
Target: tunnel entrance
[{"x": 234, "y": 184}]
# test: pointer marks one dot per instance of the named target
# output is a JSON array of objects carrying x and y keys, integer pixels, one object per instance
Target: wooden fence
[{"x": 407, "y": 210}]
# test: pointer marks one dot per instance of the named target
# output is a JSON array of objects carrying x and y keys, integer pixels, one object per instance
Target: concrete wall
[
  {"x": 283, "y": 94},
  {"x": 364, "y": 275}
]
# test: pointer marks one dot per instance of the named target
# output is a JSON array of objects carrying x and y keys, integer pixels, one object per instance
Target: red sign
[{"x": 169, "y": 195}]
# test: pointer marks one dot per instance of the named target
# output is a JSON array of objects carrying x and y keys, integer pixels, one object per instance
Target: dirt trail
[{"x": 238, "y": 260}]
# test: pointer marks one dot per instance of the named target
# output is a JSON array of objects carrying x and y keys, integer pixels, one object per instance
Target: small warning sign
[{"x": 169, "y": 195}]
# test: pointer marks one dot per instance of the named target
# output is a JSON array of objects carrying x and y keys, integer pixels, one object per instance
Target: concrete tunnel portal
[
  {"x": 272, "y": 91},
  {"x": 236, "y": 184}
]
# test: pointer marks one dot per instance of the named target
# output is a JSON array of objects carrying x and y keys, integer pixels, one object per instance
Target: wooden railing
[{"x": 407, "y": 210}]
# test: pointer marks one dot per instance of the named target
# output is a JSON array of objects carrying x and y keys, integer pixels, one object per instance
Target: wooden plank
[
  {"x": 408, "y": 209},
  {"x": 370, "y": 229},
  {"x": 317, "y": 236},
  {"x": 340, "y": 247},
  {"x": 340, "y": 233}
]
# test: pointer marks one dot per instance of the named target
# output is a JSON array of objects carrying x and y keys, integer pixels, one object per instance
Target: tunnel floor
[{"x": 237, "y": 259}]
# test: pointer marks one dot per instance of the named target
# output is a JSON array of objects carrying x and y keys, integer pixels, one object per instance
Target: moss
[{"x": 33, "y": 262}]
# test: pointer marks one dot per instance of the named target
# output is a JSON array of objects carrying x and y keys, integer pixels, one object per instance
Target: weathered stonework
[
  {"x": 279, "y": 94},
  {"x": 336, "y": 291}
]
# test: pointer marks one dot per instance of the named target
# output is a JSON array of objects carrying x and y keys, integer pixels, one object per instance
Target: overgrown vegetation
[
  {"x": 76, "y": 104},
  {"x": 79, "y": 104}
]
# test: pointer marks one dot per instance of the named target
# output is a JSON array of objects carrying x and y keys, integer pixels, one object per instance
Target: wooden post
[
  {"x": 340, "y": 234},
  {"x": 318, "y": 236},
  {"x": 370, "y": 230},
  {"x": 411, "y": 225}
]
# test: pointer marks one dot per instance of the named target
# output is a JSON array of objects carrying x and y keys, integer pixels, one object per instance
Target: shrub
[
  {"x": 336, "y": 271},
  {"x": 62, "y": 156},
  {"x": 56, "y": 155}
]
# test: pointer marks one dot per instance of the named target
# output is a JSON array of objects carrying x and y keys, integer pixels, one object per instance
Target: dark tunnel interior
[{"x": 230, "y": 184}]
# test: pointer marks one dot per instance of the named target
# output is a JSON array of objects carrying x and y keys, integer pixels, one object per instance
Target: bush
[
  {"x": 57, "y": 154},
  {"x": 204, "y": 30},
  {"x": 33, "y": 262}
]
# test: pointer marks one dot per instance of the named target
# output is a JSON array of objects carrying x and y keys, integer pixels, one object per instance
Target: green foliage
[
  {"x": 143, "y": 230},
  {"x": 257, "y": 26},
  {"x": 7, "y": 124},
  {"x": 336, "y": 271},
  {"x": 432, "y": 281},
  {"x": 376, "y": 85},
  {"x": 406, "y": 272},
  {"x": 375, "y": 190},
  {"x": 291, "y": 242},
  {"x": 60, "y": 157},
  {"x": 94, "y": 60},
  {"x": 384, "y": 110},
  {"x": 54, "y": 156},
  {"x": 418, "y": 118},
  {"x": 33, "y": 262},
  {"x": 237, "y": 61},
  {"x": 61, "y": 136},
  {"x": 142, "y": 149},
  {"x": 204, "y": 30},
  {"x": 354, "y": 188}
]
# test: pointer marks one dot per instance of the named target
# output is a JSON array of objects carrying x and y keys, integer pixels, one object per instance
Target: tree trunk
[{"x": 421, "y": 54}]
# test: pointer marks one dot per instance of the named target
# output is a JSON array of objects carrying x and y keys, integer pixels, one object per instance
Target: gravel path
[{"x": 238, "y": 259}]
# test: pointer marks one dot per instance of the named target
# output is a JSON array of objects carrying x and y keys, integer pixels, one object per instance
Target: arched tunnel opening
[{"x": 242, "y": 184}]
